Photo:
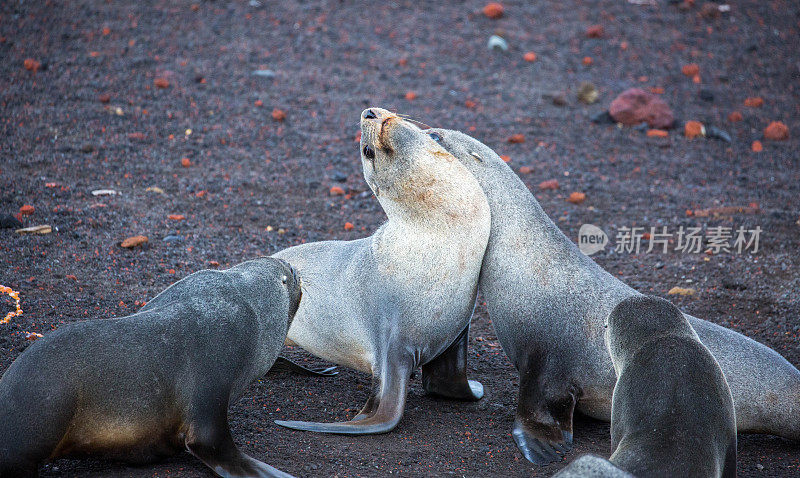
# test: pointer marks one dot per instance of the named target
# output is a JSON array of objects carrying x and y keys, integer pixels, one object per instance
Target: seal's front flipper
[
  {"x": 381, "y": 413},
  {"x": 446, "y": 375},
  {"x": 543, "y": 426},
  {"x": 282, "y": 364},
  {"x": 209, "y": 439}
]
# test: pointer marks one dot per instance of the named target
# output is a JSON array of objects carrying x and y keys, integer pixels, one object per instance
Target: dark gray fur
[
  {"x": 672, "y": 413},
  {"x": 151, "y": 384},
  {"x": 591, "y": 466},
  {"x": 548, "y": 303}
]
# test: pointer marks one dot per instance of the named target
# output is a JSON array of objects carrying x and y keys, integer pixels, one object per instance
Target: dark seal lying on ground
[
  {"x": 403, "y": 297},
  {"x": 672, "y": 413},
  {"x": 549, "y": 302},
  {"x": 154, "y": 383}
]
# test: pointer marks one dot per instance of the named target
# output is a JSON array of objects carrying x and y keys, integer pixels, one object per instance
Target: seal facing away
[
  {"x": 151, "y": 384},
  {"x": 672, "y": 413},
  {"x": 403, "y": 297},
  {"x": 549, "y": 303}
]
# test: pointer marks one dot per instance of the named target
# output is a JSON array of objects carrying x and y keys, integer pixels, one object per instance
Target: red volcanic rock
[
  {"x": 776, "y": 131},
  {"x": 595, "y": 31},
  {"x": 493, "y": 10},
  {"x": 635, "y": 106}
]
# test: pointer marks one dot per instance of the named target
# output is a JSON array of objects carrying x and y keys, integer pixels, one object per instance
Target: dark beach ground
[{"x": 257, "y": 185}]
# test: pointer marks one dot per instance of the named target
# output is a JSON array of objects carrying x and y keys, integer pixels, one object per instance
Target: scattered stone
[
  {"x": 161, "y": 82},
  {"x": 657, "y": 133},
  {"x": 710, "y": 11},
  {"x": 595, "y": 31},
  {"x": 587, "y": 93},
  {"x": 726, "y": 211},
  {"x": 754, "y": 102},
  {"x": 104, "y": 98},
  {"x": 41, "y": 229},
  {"x": 716, "y": 133},
  {"x": 278, "y": 115},
  {"x": 26, "y": 210},
  {"x": 213, "y": 264},
  {"x": 7, "y": 221},
  {"x": 31, "y": 65},
  {"x": 559, "y": 99},
  {"x": 759, "y": 467},
  {"x": 506, "y": 158},
  {"x": 530, "y": 57},
  {"x": 154, "y": 189},
  {"x": 525, "y": 170},
  {"x": 516, "y": 138},
  {"x": 576, "y": 198},
  {"x": 735, "y": 117},
  {"x": 706, "y": 95},
  {"x": 551, "y": 184},
  {"x": 411, "y": 96},
  {"x": 757, "y": 147},
  {"x": 134, "y": 241},
  {"x": 587, "y": 60},
  {"x": 776, "y": 131},
  {"x": 602, "y": 117},
  {"x": 693, "y": 129},
  {"x": 691, "y": 69},
  {"x": 173, "y": 238},
  {"x": 348, "y": 226},
  {"x": 186, "y": 162},
  {"x": 336, "y": 191},
  {"x": 33, "y": 336},
  {"x": 681, "y": 291},
  {"x": 635, "y": 105},
  {"x": 104, "y": 192},
  {"x": 176, "y": 217},
  {"x": 493, "y": 10},
  {"x": 497, "y": 42},
  {"x": 264, "y": 73}
]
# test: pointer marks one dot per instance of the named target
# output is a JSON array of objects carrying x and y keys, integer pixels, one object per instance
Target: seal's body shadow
[
  {"x": 548, "y": 303},
  {"x": 152, "y": 384},
  {"x": 403, "y": 297}
]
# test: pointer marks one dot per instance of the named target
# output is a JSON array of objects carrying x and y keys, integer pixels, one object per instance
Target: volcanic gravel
[{"x": 116, "y": 94}]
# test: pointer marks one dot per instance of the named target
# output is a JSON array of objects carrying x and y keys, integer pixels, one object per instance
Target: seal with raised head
[
  {"x": 548, "y": 303},
  {"x": 672, "y": 412},
  {"x": 154, "y": 383},
  {"x": 403, "y": 297}
]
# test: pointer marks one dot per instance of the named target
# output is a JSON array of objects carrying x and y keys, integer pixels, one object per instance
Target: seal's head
[
  {"x": 640, "y": 319},
  {"x": 292, "y": 283},
  {"x": 409, "y": 170}
]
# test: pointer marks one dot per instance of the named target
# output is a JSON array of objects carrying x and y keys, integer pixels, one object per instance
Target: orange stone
[
  {"x": 506, "y": 159},
  {"x": 278, "y": 115},
  {"x": 657, "y": 133},
  {"x": 516, "y": 138},
  {"x": 691, "y": 69},
  {"x": 186, "y": 162},
  {"x": 530, "y": 57},
  {"x": 411, "y": 96},
  {"x": 757, "y": 147},
  {"x": 31, "y": 65},
  {"x": 693, "y": 129},
  {"x": 549, "y": 184},
  {"x": 576, "y": 197},
  {"x": 177, "y": 217},
  {"x": 595, "y": 31},
  {"x": 754, "y": 102},
  {"x": 470, "y": 104},
  {"x": 348, "y": 226},
  {"x": 587, "y": 60},
  {"x": 493, "y": 10},
  {"x": 134, "y": 241},
  {"x": 776, "y": 131},
  {"x": 336, "y": 191},
  {"x": 525, "y": 170},
  {"x": 161, "y": 82},
  {"x": 735, "y": 116},
  {"x": 26, "y": 210}
]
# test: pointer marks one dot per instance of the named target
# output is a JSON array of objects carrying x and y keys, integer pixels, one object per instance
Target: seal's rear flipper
[
  {"x": 381, "y": 413},
  {"x": 282, "y": 364},
  {"x": 446, "y": 375}
]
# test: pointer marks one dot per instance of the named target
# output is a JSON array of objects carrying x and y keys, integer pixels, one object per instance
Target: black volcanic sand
[{"x": 257, "y": 185}]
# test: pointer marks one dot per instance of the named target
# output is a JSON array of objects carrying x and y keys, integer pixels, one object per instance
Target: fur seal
[
  {"x": 151, "y": 384},
  {"x": 672, "y": 412},
  {"x": 403, "y": 297},
  {"x": 549, "y": 302}
]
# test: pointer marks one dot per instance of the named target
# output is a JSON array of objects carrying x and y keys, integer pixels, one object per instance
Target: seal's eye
[
  {"x": 284, "y": 279},
  {"x": 369, "y": 153},
  {"x": 436, "y": 137}
]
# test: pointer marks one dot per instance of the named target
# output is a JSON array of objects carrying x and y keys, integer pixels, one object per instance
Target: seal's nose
[{"x": 369, "y": 114}]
